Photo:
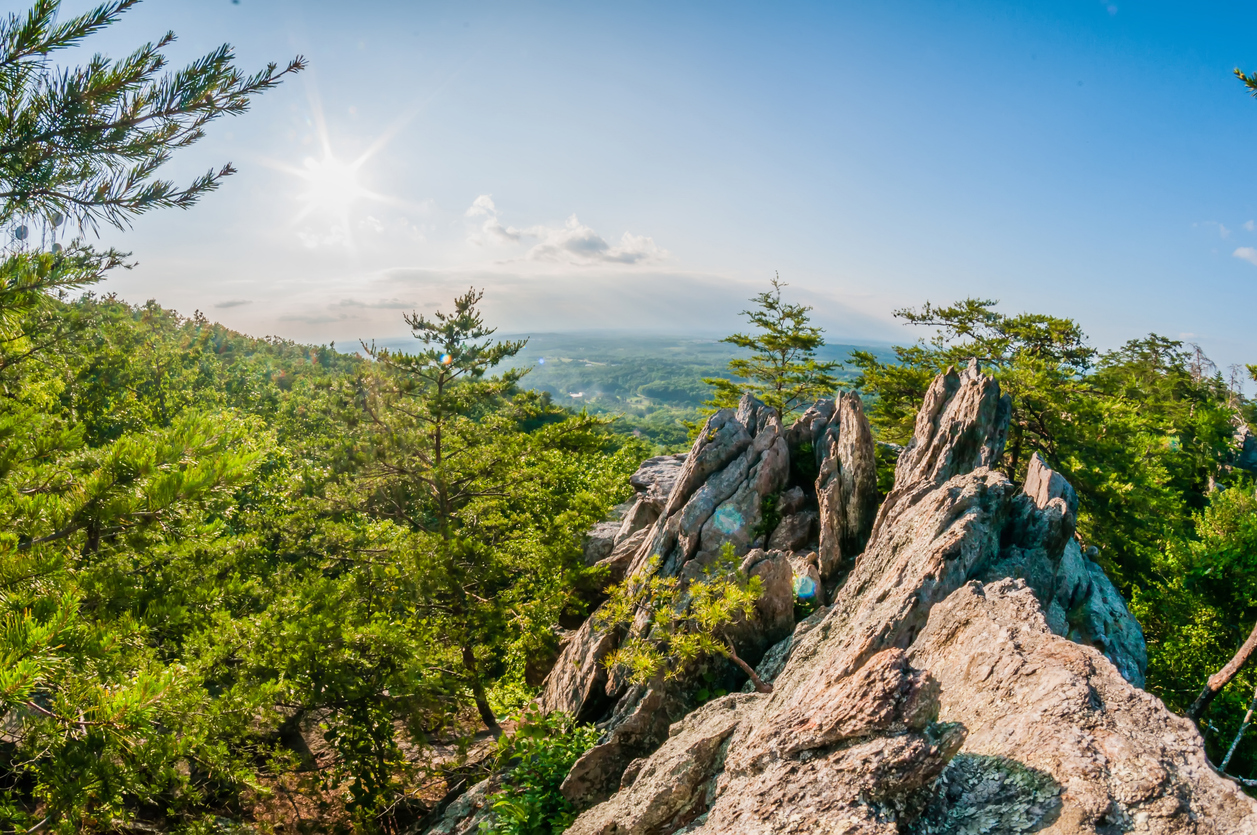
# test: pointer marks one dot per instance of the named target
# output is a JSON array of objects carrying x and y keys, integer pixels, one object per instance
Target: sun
[{"x": 332, "y": 185}]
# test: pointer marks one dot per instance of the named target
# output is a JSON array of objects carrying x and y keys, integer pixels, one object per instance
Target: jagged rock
[
  {"x": 621, "y": 556},
  {"x": 774, "y": 609},
  {"x": 1245, "y": 456},
  {"x": 846, "y": 486},
  {"x": 717, "y": 494},
  {"x": 1076, "y": 747},
  {"x": 597, "y": 774},
  {"x": 653, "y": 482},
  {"x": 1078, "y": 599},
  {"x": 792, "y": 500},
  {"x": 873, "y": 745},
  {"x": 1101, "y": 620},
  {"x": 577, "y": 683},
  {"x": 915, "y": 663},
  {"x": 962, "y": 426},
  {"x": 771, "y": 665},
  {"x": 600, "y": 541},
  {"x": 794, "y": 531},
  {"x": 655, "y": 477}
]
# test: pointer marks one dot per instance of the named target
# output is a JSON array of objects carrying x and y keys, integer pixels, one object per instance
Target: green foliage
[
  {"x": 685, "y": 621},
  {"x": 539, "y": 755},
  {"x": 1144, "y": 434},
  {"x": 462, "y": 461},
  {"x": 782, "y": 369},
  {"x": 1199, "y": 608},
  {"x": 1105, "y": 421}
]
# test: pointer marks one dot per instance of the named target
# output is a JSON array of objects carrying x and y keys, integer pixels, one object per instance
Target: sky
[{"x": 650, "y": 166}]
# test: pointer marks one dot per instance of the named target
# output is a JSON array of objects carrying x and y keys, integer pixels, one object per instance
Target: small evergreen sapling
[
  {"x": 673, "y": 623},
  {"x": 782, "y": 370}
]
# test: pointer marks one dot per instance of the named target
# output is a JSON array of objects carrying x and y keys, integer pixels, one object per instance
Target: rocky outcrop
[
  {"x": 933, "y": 695},
  {"x": 1071, "y": 744},
  {"x": 973, "y": 672},
  {"x": 1077, "y": 597},
  {"x": 846, "y": 486},
  {"x": 1245, "y": 446},
  {"x": 717, "y": 495}
]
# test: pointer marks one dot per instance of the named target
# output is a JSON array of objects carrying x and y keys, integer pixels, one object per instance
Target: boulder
[
  {"x": 794, "y": 531},
  {"x": 600, "y": 541},
  {"x": 653, "y": 482},
  {"x": 1074, "y": 747},
  {"x": 792, "y": 500}
]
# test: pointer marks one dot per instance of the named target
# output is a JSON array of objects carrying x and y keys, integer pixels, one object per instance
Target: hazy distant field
[{"x": 653, "y": 383}]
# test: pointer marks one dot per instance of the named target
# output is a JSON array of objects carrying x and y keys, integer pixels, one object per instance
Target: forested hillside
[
  {"x": 652, "y": 384},
  {"x": 252, "y": 585}
]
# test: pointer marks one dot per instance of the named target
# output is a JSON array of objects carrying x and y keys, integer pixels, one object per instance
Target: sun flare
[{"x": 332, "y": 185}]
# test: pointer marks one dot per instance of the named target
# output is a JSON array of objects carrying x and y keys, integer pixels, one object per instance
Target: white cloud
[
  {"x": 483, "y": 205},
  {"x": 1223, "y": 231},
  {"x": 494, "y": 231},
  {"x": 576, "y": 243},
  {"x": 573, "y": 243},
  {"x": 1250, "y": 225},
  {"x": 1247, "y": 253}
]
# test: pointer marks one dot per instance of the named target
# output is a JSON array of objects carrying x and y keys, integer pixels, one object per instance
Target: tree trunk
[
  {"x": 1239, "y": 735},
  {"x": 760, "y": 685},
  {"x": 1223, "y": 677},
  {"x": 477, "y": 691}
]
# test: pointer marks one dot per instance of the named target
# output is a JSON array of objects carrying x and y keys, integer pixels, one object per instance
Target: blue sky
[{"x": 649, "y": 165}]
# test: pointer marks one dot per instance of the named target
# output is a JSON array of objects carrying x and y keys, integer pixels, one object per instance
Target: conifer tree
[
  {"x": 81, "y": 697},
  {"x": 458, "y": 456},
  {"x": 782, "y": 370}
]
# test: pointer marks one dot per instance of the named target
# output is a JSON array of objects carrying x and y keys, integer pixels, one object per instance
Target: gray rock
[
  {"x": 1245, "y": 446},
  {"x": 794, "y": 531},
  {"x": 653, "y": 482},
  {"x": 717, "y": 497},
  {"x": 656, "y": 476},
  {"x": 792, "y": 500},
  {"x": 1076, "y": 747},
  {"x": 774, "y": 661},
  {"x": 621, "y": 556},
  {"x": 600, "y": 541},
  {"x": 846, "y": 486},
  {"x": 1078, "y": 600},
  {"x": 1103, "y": 621},
  {"x": 915, "y": 663}
]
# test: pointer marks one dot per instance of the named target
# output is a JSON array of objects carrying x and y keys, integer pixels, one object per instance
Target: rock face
[
  {"x": 717, "y": 496},
  {"x": 1075, "y": 747},
  {"x": 846, "y": 486},
  {"x": 933, "y": 695},
  {"x": 1245, "y": 457}
]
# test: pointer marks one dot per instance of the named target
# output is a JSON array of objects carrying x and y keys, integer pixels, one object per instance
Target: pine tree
[
  {"x": 460, "y": 457},
  {"x": 81, "y": 146},
  {"x": 782, "y": 370}
]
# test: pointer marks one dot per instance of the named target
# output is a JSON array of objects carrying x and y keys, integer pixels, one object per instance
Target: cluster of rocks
[{"x": 968, "y": 669}]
